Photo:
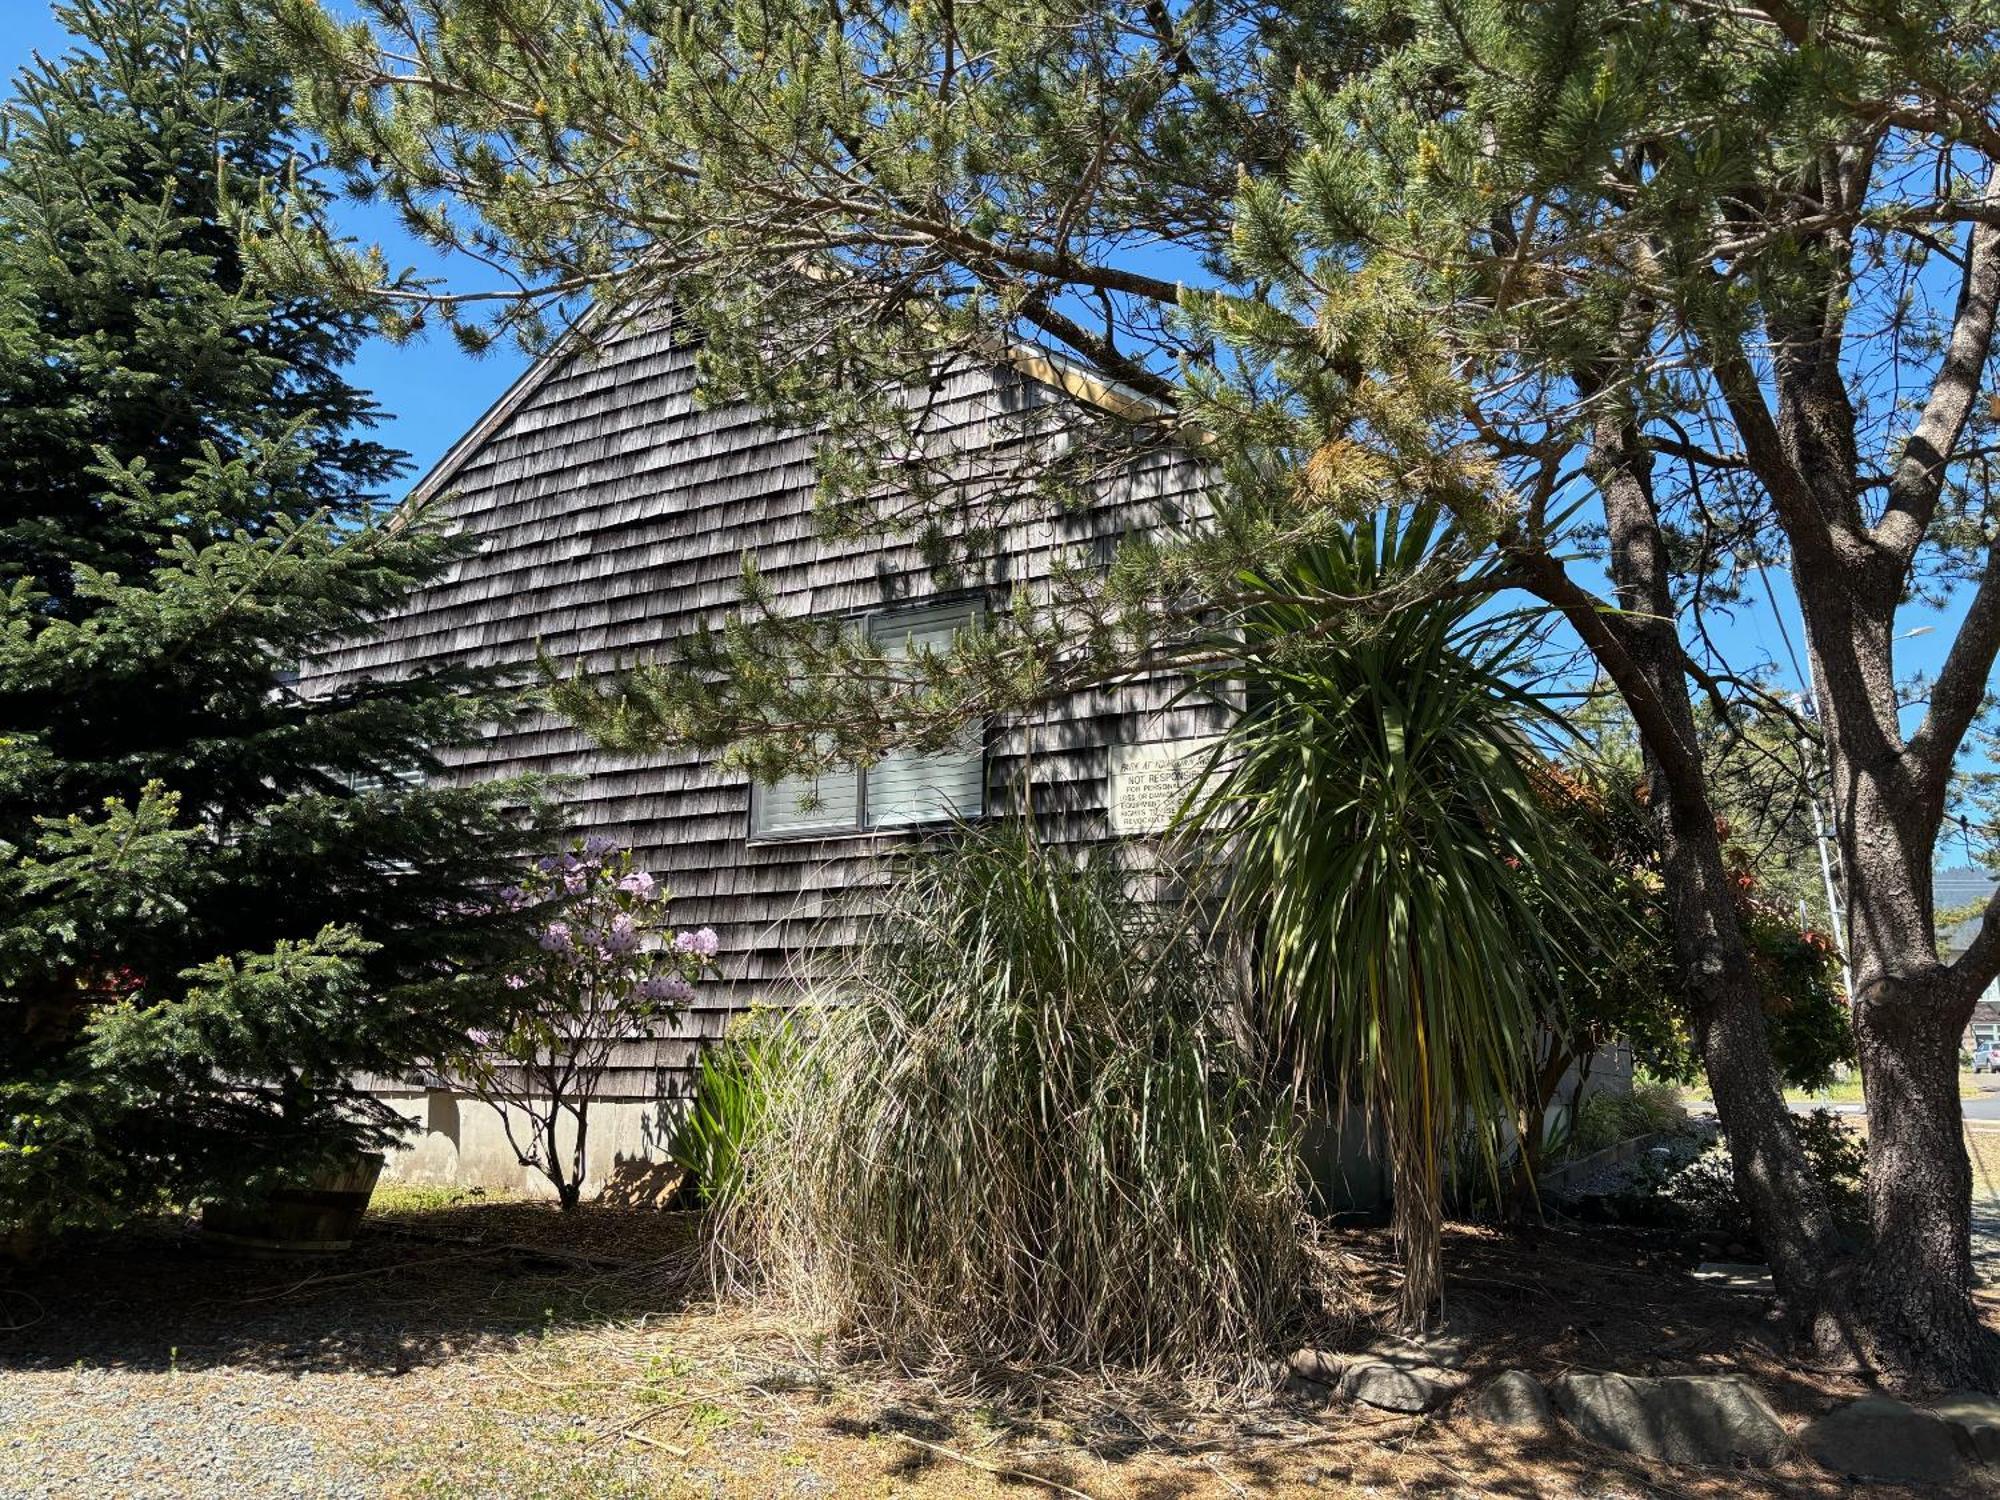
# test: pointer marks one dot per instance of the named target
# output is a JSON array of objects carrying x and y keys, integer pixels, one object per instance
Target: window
[{"x": 903, "y": 790}]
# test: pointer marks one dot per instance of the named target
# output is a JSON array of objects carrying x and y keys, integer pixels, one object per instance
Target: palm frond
[{"x": 1384, "y": 832}]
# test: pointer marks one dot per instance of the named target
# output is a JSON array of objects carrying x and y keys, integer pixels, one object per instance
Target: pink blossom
[
  {"x": 556, "y": 937},
  {"x": 702, "y": 943},
  {"x": 638, "y": 883}
]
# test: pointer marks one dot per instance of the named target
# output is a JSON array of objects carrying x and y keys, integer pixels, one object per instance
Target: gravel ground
[
  {"x": 214, "y": 1433},
  {"x": 155, "y": 1367},
  {"x": 509, "y": 1352},
  {"x": 1664, "y": 1156}
]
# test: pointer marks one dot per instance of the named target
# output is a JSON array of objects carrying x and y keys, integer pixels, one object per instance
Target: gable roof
[{"x": 1044, "y": 365}]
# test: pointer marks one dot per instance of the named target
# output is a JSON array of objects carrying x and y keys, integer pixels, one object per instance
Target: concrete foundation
[{"x": 459, "y": 1141}]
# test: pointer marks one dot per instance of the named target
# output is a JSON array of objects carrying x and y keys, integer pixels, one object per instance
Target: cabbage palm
[{"x": 1378, "y": 791}]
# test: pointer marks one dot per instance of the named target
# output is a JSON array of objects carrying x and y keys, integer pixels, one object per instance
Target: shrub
[
  {"x": 1700, "y": 1195},
  {"x": 1604, "y": 1119},
  {"x": 1026, "y": 1134},
  {"x": 1654, "y": 1107},
  {"x": 732, "y": 1099},
  {"x": 1599, "y": 1122},
  {"x": 606, "y": 968}
]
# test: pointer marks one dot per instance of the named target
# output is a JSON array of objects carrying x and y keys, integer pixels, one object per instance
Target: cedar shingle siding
[{"x": 613, "y": 515}]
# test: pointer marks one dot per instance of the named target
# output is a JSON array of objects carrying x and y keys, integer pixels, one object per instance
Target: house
[
  {"x": 614, "y": 514},
  {"x": 1959, "y": 894}
]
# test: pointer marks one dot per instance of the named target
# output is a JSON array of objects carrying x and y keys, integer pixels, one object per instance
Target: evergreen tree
[{"x": 219, "y": 900}]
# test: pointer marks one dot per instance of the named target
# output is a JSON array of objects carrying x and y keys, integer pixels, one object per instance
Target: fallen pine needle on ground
[{"x": 486, "y": 1347}]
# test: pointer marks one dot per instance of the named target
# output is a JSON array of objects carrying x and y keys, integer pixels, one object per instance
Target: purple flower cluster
[
  {"x": 608, "y": 963},
  {"x": 701, "y": 943},
  {"x": 621, "y": 937},
  {"x": 672, "y": 989}
]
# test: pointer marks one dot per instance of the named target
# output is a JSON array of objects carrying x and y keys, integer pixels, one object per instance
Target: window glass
[
  {"x": 905, "y": 788},
  {"x": 804, "y": 804},
  {"x": 900, "y": 791}
]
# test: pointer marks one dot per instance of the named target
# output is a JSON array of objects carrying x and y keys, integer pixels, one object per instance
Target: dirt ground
[{"x": 478, "y": 1348}]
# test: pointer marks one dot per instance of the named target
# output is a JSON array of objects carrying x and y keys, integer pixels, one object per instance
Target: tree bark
[
  {"x": 1909, "y": 1312},
  {"x": 1773, "y": 1178},
  {"x": 1914, "y": 1314},
  {"x": 1905, "y": 1309},
  {"x": 1641, "y": 649}
]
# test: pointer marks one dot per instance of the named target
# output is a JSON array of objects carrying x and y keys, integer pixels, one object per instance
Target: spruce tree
[{"x": 220, "y": 901}]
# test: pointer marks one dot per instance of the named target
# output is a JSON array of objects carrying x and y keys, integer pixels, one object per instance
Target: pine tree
[
  {"x": 1650, "y": 296},
  {"x": 219, "y": 901}
]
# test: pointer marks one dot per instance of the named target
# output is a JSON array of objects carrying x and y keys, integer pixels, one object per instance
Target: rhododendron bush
[{"x": 606, "y": 968}]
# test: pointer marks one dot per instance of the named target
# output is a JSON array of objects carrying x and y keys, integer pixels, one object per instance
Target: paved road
[{"x": 1985, "y": 1107}]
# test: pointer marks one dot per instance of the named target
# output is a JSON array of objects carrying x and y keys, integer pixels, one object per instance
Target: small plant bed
[{"x": 480, "y": 1346}]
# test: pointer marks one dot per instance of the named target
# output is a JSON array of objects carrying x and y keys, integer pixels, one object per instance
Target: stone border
[{"x": 1610, "y": 1156}]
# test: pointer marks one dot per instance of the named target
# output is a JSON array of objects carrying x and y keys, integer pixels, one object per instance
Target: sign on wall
[{"x": 1149, "y": 782}]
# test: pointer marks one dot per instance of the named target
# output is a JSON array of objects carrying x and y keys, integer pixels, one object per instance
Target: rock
[
  {"x": 1974, "y": 1421},
  {"x": 1301, "y": 1388},
  {"x": 1880, "y": 1438},
  {"x": 1515, "y": 1399},
  {"x": 1391, "y": 1387},
  {"x": 1430, "y": 1351},
  {"x": 1679, "y": 1419},
  {"x": 1322, "y": 1365}
]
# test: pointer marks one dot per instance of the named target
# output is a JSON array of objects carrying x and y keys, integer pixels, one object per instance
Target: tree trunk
[
  {"x": 578, "y": 1160},
  {"x": 1523, "y": 1198},
  {"x": 1643, "y": 653},
  {"x": 1907, "y": 1310},
  {"x": 1914, "y": 1314},
  {"x": 1772, "y": 1175},
  {"x": 568, "y": 1189}
]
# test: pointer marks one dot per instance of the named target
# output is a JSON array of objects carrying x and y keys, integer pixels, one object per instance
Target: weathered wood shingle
[{"x": 613, "y": 514}]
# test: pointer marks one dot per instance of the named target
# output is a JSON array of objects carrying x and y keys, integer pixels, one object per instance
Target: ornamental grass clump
[{"x": 1024, "y": 1135}]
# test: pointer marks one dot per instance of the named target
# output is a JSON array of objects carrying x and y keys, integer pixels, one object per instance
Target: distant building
[{"x": 1955, "y": 891}]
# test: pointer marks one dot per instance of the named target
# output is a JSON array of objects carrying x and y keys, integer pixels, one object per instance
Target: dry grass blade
[
  {"x": 1028, "y": 1036},
  {"x": 1026, "y": 1476}
]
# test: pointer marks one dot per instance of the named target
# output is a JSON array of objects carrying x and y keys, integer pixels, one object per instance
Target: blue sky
[{"x": 432, "y": 391}]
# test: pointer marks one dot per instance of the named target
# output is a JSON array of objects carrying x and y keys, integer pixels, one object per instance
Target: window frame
[{"x": 973, "y": 605}]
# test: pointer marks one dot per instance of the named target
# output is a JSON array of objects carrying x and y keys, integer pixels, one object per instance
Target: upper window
[{"x": 902, "y": 790}]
